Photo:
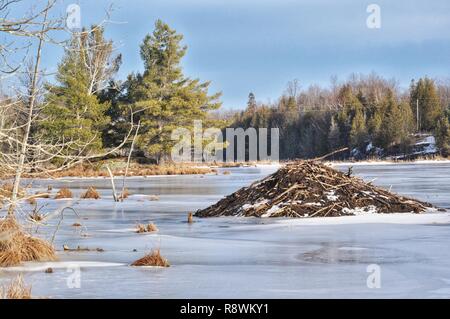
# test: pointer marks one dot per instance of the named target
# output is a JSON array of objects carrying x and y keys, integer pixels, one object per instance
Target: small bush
[
  {"x": 152, "y": 259},
  {"x": 91, "y": 193},
  {"x": 64, "y": 193}
]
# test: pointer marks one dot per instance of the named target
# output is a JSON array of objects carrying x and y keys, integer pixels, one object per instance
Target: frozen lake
[{"x": 241, "y": 257}]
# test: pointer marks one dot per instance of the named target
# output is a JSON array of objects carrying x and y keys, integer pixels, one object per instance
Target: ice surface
[{"x": 245, "y": 257}]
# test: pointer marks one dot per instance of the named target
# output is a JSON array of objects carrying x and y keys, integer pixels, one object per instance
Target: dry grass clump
[
  {"x": 16, "y": 290},
  {"x": 36, "y": 216},
  {"x": 124, "y": 194},
  {"x": 226, "y": 173},
  {"x": 152, "y": 259},
  {"x": 64, "y": 193},
  {"x": 149, "y": 228},
  {"x": 91, "y": 193},
  {"x": 16, "y": 246}
]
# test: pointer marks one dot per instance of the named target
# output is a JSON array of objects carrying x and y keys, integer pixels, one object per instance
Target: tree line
[
  {"x": 86, "y": 105},
  {"x": 368, "y": 114}
]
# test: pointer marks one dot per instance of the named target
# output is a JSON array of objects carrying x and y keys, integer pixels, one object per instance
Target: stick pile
[{"x": 311, "y": 189}]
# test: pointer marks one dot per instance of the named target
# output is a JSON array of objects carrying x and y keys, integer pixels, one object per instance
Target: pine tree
[
  {"x": 73, "y": 111},
  {"x": 168, "y": 99},
  {"x": 407, "y": 127},
  {"x": 374, "y": 125},
  {"x": 358, "y": 133},
  {"x": 349, "y": 106},
  {"x": 430, "y": 110},
  {"x": 442, "y": 135},
  {"x": 251, "y": 104},
  {"x": 396, "y": 125}
]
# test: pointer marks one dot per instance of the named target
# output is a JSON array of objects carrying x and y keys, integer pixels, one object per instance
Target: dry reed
[
  {"x": 16, "y": 290},
  {"x": 154, "y": 258},
  {"x": 63, "y": 193},
  {"x": 17, "y": 246},
  {"x": 91, "y": 193}
]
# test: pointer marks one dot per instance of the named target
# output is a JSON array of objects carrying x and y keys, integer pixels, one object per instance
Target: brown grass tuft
[
  {"x": 149, "y": 228},
  {"x": 35, "y": 216},
  {"x": 16, "y": 290},
  {"x": 91, "y": 193},
  {"x": 125, "y": 194},
  {"x": 16, "y": 246},
  {"x": 152, "y": 259},
  {"x": 63, "y": 193}
]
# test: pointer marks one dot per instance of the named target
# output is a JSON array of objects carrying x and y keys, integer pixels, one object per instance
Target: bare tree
[{"x": 23, "y": 153}]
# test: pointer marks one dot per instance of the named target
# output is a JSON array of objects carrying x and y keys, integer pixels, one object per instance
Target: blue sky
[{"x": 259, "y": 45}]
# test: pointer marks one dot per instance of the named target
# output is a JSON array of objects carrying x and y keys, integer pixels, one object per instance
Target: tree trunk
[{"x": 31, "y": 104}]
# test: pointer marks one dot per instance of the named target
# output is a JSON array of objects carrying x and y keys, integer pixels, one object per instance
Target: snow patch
[
  {"x": 331, "y": 196},
  {"x": 358, "y": 211},
  {"x": 273, "y": 210}
]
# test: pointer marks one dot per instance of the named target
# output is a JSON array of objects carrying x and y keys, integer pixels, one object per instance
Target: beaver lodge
[{"x": 311, "y": 189}]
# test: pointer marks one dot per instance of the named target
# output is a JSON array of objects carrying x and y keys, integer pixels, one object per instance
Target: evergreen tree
[
  {"x": 374, "y": 125},
  {"x": 358, "y": 133},
  {"x": 168, "y": 99},
  {"x": 430, "y": 110},
  {"x": 251, "y": 104},
  {"x": 396, "y": 125},
  {"x": 73, "y": 110},
  {"x": 442, "y": 135},
  {"x": 349, "y": 105}
]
